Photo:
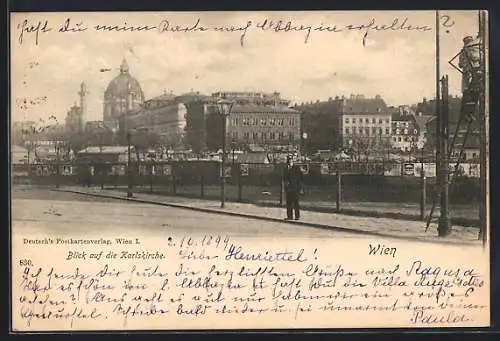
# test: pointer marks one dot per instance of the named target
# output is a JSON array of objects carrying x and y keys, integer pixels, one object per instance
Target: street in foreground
[{"x": 37, "y": 211}]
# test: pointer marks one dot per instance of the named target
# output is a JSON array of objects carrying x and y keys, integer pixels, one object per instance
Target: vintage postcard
[{"x": 249, "y": 170}]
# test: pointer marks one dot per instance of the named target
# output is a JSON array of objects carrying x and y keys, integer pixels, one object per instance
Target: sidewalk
[
  {"x": 463, "y": 215},
  {"x": 382, "y": 227}
]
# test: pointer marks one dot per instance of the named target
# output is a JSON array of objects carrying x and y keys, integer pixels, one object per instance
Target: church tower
[{"x": 83, "y": 106}]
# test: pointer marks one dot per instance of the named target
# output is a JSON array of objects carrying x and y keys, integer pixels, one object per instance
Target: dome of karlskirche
[{"x": 124, "y": 84}]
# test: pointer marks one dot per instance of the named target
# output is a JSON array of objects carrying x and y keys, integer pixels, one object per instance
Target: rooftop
[
  {"x": 422, "y": 120},
  {"x": 163, "y": 97},
  {"x": 355, "y": 104},
  {"x": 262, "y": 109},
  {"x": 362, "y": 105},
  {"x": 105, "y": 150}
]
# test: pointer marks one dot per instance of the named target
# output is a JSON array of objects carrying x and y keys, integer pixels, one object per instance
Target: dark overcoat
[{"x": 292, "y": 178}]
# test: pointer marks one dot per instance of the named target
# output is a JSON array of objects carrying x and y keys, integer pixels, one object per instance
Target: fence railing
[{"x": 334, "y": 186}]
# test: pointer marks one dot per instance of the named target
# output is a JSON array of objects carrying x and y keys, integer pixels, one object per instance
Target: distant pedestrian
[
  {"x": 88, "y": 175},
  {"x": 292, "y": 177}
]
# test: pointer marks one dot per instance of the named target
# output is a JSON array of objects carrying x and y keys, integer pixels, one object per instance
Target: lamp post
[
  {"x": 423, "y": 194},
  {"x": 125, "y": 117},
  {"x": 130, "y": 194},
  {"x": 58, "y": 163},
  {"x": 303, "y": 142},
  {"x": 224, "y": 108}
]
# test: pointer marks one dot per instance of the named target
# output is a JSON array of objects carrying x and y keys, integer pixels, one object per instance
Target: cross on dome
[{"x": 124, "y": 67}]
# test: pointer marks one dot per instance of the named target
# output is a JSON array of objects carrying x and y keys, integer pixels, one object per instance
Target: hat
[{"x": 468, "y": 39}]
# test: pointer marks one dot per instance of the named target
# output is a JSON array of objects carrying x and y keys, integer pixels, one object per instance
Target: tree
[
  {"x": 144, "y": 141},
  {"x": 361, "y": 146}
]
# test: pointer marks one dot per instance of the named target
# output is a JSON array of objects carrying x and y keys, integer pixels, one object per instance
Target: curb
[
  {"x": 256, "y": 217},
  {"x": 460, "y": 221}
]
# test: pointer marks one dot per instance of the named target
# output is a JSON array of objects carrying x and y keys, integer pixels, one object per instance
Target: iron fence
[{"x": 253, "y": 182}]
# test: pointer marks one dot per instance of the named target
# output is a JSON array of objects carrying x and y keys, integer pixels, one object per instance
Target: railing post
[
  {"x": 151, "y": 168},
  {"x": 422, "y": 193},
  {"x": 202, "y": 185},
  {"x": 58, "y": 184},
  {"x": 339, "y": 191},
  {"x": 102, "y": 174},
  {"x": 281, "y": 186},
  {"x": 174, "y": 180},
  {"x": 240, "y": 184}
]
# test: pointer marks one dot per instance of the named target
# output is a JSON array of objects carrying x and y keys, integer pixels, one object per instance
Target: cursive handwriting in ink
[
  {"x": 242, "y": 29},
  {"x": 243, "y": 281},
  {"x": 282, "y": 26},
  {"x": 236, "y": 253},
  {"x": 397, "y": 25},
  {"x": 424, "y": 317},
  {"x": 165, "y": 26},
  {"x": 39, "y": 27},
  {"x": 29, "y": 313},
  {"x": 124, "y": 28},
  {"x": 68, "y": 27},
  {"x": 265, "y": 25}
]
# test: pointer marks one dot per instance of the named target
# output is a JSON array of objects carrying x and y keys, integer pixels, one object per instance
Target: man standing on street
[{"x": 292, "y": 178}]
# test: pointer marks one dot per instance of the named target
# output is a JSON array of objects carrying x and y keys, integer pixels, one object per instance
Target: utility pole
[
  {"x": 438, "y": 106},
  {"x": 223, "y": 165},
  {"x": 483, "y": 126},
  {"x": 444, "y": 224},
  {"x": 129, "y": 164}
]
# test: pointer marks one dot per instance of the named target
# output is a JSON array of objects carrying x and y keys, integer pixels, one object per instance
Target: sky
[{"x": 397, "y": 64}]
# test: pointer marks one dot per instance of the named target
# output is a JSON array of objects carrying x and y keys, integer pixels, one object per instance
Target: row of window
[
  {"x": 264, "y": 136},
  {"x": 405, "y": 131},
  {"x": 401, "y": 139},
  {"x": 289, "y": 122},
  {"x": 366, "y": 120},
  {"x": 366, "y": 130},
  {"x": 402, "y": 124}
]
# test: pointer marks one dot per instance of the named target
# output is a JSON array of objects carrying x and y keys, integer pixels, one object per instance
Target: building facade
[
  {"x": 405, "y": 131},
  {"x": 123, "y": 94},
  {"x": 365, "y": 123},
  {"x": 178, "y": 121},
  {"x": 427, "y": 109},
  {"x": 192, "y": 121},
  {"x": 257, "y": 120}
]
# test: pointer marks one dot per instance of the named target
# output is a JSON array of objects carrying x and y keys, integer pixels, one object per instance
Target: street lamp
[
  {"x": 420, "y": 146},
  {"x": 224, "y": 108},
  {"x": 130, "y": 194},
  {"x": 303, "y": 142}
]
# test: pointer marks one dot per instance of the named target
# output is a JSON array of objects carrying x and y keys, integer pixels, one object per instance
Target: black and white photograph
[{"x": 249, "y": 170}]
